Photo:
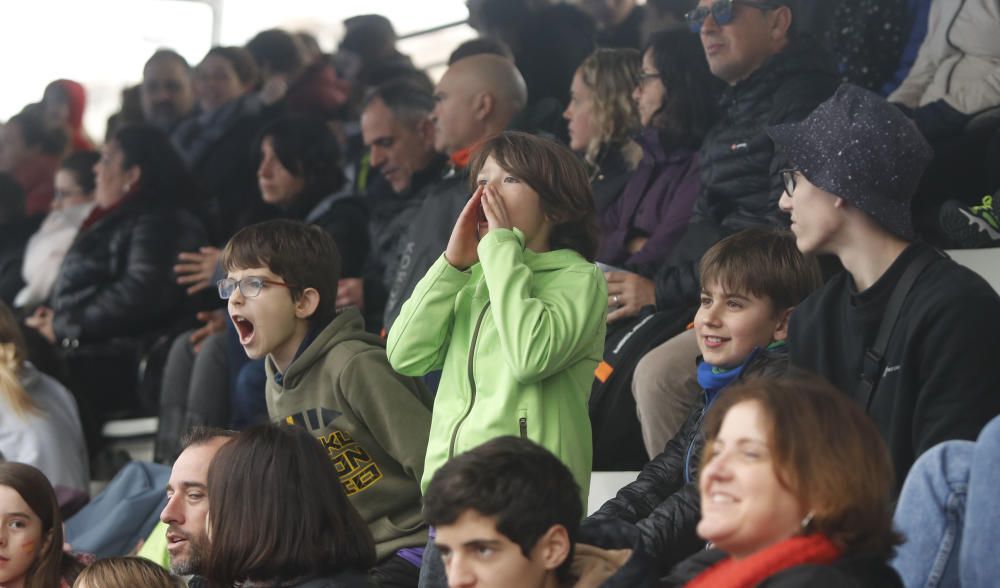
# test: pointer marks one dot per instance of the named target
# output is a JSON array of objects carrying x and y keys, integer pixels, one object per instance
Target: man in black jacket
[
  {"x": 774, "y": 76},
  {"x": 399, "y": 135},
  {"x": 857, "y": 163},
  {"x": 476, "y": 98}
]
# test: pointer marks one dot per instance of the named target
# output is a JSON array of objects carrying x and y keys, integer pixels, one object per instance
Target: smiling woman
[{"x": 780, "y": 502}]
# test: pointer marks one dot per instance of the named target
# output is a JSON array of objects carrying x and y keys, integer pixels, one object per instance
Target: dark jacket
[
  {"x": 219, "y": 151},
  {"x": 345, "y": 217},
  {"x": 847, "y": 572},
  {"x": 117, "y": 278},
  {"x": 740, "y": 186},
  {"x": 347, "y": 579},
  {"x": 13, "y": 240},
  {"x": 608, "y": 178},
  {"x": 662, "y": 504},
  {"x": 934, "y": 386},
  {"x": 390, "y": 216},
  {"x": 429, "y": 230},
  {"x": 656, "y": 204},
  {"x": 599, "y": 559}
]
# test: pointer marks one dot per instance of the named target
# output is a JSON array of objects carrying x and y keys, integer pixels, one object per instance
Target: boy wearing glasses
[{"x": 327, "y": 374}]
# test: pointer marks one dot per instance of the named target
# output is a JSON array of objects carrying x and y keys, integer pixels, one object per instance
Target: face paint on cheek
[{"x": 28, "y": 547}]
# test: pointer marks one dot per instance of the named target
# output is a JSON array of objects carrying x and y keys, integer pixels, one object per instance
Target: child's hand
[
  {"x": 495, "y": 210},
  {"x": 461, "y": 251}
]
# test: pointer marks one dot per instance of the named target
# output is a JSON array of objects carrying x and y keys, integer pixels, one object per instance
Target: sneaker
[{"x": 972, "y": 227}]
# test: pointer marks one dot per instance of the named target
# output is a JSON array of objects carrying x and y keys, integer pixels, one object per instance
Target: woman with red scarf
[{"x": 796, "y": 489}]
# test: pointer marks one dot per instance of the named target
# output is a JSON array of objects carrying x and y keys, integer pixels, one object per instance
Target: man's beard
[{"x": 192, "y": 564}]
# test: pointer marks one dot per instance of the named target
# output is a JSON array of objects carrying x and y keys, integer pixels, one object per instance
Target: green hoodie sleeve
[
  {"x": 540, "y": 335},
  {"x": 418, "y": 341}
]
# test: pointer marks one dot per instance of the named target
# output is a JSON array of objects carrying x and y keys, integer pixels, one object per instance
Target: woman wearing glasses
[{"x": 676, "y": 97}]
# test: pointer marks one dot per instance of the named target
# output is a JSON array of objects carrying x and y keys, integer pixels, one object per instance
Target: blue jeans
[{"x": 950, "y": 514}]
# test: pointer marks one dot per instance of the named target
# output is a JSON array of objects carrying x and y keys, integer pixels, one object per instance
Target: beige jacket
[{"x": 959, "y": 60}]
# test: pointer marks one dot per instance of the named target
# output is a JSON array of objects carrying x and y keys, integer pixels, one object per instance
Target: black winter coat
[
  {"x": 117, "y": 278},
  {"x": 660, "y": 503},
  {"x": 847, "y": 572},
  {"x": 740, "y": 186}
]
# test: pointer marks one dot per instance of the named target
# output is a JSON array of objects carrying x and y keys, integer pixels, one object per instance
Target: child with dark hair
[
  {"x": 328, "y": 375},
  {"x": 513, "y": 311},
  {"x": 518, "y": 501},
  {"x": 751, "y": 281}
]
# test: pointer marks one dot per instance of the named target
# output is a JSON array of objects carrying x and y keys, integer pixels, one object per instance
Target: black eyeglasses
[
  {"x": 788, "y": 178},
  {"x": 249, "y": 286},
  {"x": 721, "y": 11}
]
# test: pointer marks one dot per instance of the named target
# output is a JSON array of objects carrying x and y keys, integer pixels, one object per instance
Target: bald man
[{"x": 476, "y": 98}]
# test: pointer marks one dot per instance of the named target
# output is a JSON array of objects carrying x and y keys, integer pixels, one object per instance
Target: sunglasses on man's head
[{"x": 721, "y": 11}]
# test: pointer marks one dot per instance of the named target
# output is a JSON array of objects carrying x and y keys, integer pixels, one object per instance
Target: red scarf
[
  {"x": 98, "y": 213},
  {"x": 461, "y": 158},
  {"x": 750, "y": 571}
]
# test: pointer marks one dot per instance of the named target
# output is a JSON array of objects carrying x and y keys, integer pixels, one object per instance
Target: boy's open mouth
[{"x": 245, "y": 328}]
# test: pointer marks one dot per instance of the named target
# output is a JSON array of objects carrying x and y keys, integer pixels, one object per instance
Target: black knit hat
[{"x": 862, "y": 149}]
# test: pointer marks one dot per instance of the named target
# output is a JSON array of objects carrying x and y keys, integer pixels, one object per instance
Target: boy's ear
[
  {"x": 553, "y": 547},
  {"x": 781, "y": 327},
  {"x": 307, "y": 303}
]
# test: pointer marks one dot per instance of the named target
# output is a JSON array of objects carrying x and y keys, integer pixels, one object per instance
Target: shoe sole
[{"x": 969, "y": 230}]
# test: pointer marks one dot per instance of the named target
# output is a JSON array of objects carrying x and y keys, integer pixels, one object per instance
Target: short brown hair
[
  {"x": 827, "y": 452},
  {"x": 126, "y": 572},
  {"x": 559, "y": 178},
  {"x": 762, "y": 262},
  {"x": 278, "y": 511},
  {"x": 303, "y": 255}
]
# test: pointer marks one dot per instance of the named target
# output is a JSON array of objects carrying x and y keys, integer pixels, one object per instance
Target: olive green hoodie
[{"x": 372, "y": 422}]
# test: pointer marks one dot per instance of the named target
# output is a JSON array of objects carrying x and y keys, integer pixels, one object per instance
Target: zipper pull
[{"x": 523, "y": 422}]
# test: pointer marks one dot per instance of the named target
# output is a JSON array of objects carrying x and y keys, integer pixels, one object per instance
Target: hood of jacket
[{"x": 346, "y": 326}]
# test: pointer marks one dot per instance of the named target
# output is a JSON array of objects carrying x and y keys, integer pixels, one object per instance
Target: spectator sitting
[
  {"x": 183, "y": 520},
  {"x": 216, "y": 142},
  {"x": 868, "y": 37},
  {"x": 849, "y": 195},
  {"x": 292, "y": 85},
  {"x": 955, "y": 79},
  {"x": 677, "y": 97},
  {"x": 126, "y": 572},
  {"x": 300, "y": 174},
  {"x": 44, "y": 253},
  {"x": 774, "y": 75},
  {"x": 30, "y": 154},
  {"x": 15, "y": 230},
  {"x": 399, "y": 135},
  {"x": 33, "y": 530},
  {"x": 477, "y": 98},
  {"x": 325, "y": 373},
  {"x": 369, "y": 42},
  {"x": 518, "y": 500},
  {"x": 619, "y": 22},
  {"x": 166, "y": 92},
  {"x": 781, "y": 504},
  {"x": 62, "y": 106},
  {"x": 515, "y": 289},
  {"x": 39, "y": 419},
  {"x": 946, "y": 512},
  {"x": 115, "y": 280},
  {"x": 279, "y": 517},
  {"x": 602, "y": 119},
  {"x": 751, "y": 282}
]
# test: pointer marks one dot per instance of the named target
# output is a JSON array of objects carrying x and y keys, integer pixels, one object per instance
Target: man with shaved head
[{"x": 476, "y": 98}]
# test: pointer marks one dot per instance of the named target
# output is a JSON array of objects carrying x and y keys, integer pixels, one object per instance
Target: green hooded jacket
[{"x": 518, "y": 337}]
